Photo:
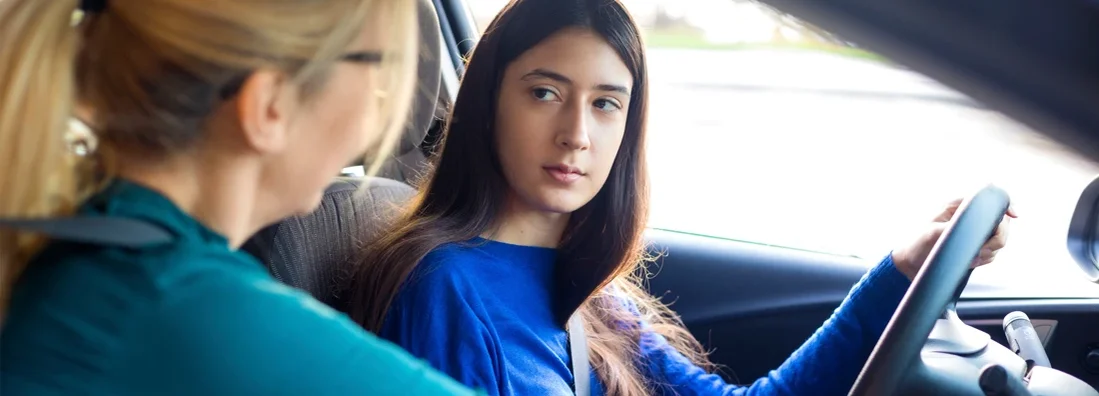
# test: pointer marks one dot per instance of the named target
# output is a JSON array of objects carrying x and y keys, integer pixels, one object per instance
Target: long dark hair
[{"x": 460, "y": 196}]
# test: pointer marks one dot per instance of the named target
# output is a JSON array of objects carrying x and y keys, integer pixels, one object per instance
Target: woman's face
[
  {"x": 560, "y": 118},
  {"x": 328, "y": 130}
]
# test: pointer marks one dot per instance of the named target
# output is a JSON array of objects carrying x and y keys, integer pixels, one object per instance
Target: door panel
[{"x": 753, "y": 305}]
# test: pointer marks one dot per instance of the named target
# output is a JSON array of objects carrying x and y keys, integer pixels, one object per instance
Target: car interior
[
  {"x": 748, "y": 300},
  {"x": 751, "y": 300}
]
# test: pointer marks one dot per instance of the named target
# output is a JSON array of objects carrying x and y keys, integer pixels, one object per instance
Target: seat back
[
  {"x": 316, "y": 252},
  {"x": 407, "y": 160}
]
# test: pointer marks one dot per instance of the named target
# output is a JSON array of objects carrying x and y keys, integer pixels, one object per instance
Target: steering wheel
[{"x": 930, "y": 293}]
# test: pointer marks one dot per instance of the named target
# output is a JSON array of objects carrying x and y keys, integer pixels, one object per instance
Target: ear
[{"x": 264, "y": 107}]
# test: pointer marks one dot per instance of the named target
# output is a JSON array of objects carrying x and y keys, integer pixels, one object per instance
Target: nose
[{"x": 573, "y": 131}]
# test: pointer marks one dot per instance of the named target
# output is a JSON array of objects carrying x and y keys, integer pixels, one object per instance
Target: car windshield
[{"x": 768, "y": 130}]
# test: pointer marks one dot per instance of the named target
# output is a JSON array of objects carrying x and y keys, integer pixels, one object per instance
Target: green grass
[{"x": 689, "y": 40}]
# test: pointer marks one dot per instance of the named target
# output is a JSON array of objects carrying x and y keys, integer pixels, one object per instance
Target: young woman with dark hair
[{"x": 534, "y": 212}]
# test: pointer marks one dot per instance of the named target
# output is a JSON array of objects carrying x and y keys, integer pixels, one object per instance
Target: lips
[{"x": 564, "y": 173}]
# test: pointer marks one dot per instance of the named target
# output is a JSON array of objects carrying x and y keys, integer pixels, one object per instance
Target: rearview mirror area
[{"x": 1083, "y": 231}]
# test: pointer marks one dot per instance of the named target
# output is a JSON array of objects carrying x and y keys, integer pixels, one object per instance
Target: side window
[{"x": 768, "y": 130}]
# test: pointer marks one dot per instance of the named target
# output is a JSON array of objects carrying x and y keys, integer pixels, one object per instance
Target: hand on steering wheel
[
  {"x": 910, "y": 259},
  {"x": 948, "y": 261}
]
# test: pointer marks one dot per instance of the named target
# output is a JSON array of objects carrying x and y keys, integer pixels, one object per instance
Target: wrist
[{"x": 904, "y": 264}]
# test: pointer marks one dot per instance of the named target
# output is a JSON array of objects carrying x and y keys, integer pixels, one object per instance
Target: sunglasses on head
[{"x": 366, "y": 57}]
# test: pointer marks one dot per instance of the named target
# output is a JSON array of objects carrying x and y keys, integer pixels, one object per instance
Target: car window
[{"x": 768, "y": 130}]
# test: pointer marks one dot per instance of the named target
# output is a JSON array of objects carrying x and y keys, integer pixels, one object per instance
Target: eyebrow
[{"x": 555, "y": 76}]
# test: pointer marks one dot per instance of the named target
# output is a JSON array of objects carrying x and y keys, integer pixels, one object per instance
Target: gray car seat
[
  {"x": 408, "y": 159},
  {"x": 313, "y": 251}
]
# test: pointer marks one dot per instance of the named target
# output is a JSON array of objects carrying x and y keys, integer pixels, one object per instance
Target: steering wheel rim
[{"x": 932, "y": 290}]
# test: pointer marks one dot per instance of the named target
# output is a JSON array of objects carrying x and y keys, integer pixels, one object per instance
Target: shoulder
[
  {"x": 450, "y": 268},
  {"x": 442, "y": 293},
  {"x": 257, "y": 336},
  {"x": 440, "y": 309},
  {"x": 243, "y": 305},
  {"x": 176, "y": 320},
  {"x": 454, "y": 258},
  {"x": 194, "y": 296},
  {"x": 149, "y": 273},
  {"x": 252, "y": 333},
  {"x": 112, "y": 289}
]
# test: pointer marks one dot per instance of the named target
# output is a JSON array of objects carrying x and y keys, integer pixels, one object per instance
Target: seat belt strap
[
  {"x": 95, "y": 230},
  {"x": 578, "y": 351}
]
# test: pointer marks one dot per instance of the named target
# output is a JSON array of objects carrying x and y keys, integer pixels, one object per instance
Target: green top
[{"x": 190, "y": 317}]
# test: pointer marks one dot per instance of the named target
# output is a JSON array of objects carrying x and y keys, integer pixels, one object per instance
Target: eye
[
  {"x": 607, "y": 105},
  {"x": 543, "y": 94}
]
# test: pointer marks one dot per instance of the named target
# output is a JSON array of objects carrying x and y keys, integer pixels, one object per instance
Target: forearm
[{"x": 830, "y": 360}]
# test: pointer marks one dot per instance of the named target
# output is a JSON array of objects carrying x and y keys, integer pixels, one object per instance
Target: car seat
[{"x": 313, "y": 252}]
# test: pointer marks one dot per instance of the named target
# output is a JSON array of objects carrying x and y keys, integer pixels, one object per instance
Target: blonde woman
[{"x": 213, "y": 118}]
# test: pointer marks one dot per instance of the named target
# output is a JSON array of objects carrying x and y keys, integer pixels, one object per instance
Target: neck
[
  {"x": 519, "y": 224},
  {"x": 204, "y": 188}
]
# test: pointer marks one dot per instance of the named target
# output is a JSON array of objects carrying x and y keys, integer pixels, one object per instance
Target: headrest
[
  {"x": 407, "y": 159},
  {"x": 313, "y": 252}
]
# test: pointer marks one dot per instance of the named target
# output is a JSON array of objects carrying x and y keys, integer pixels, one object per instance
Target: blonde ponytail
[
  {"x": 147, "y": 74},
  {"x": 38, "y": 46}
]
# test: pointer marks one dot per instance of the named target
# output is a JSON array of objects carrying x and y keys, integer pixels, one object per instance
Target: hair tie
[{"x": 93, "y": 6}]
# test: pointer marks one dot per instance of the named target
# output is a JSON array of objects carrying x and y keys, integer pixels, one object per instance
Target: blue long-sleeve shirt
[{"x": 481, "y": 312}]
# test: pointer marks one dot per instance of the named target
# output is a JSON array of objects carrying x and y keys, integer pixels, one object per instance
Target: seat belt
[
  {"x": 96, "y": 230},
  {"x": 578, "y": 349}
]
